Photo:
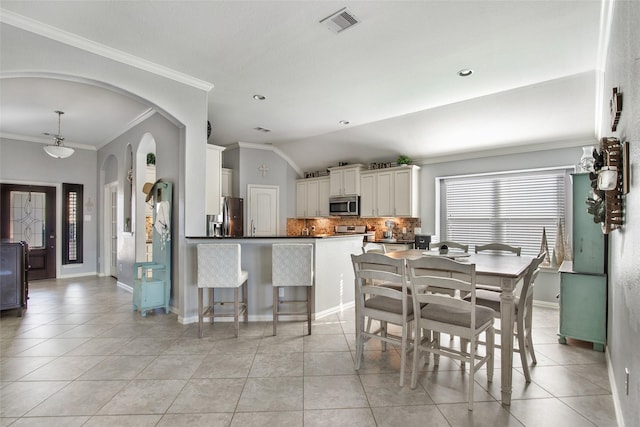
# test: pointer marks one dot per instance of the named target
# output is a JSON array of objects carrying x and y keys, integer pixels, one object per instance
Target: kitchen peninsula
[{"x": 333, "y": 288}]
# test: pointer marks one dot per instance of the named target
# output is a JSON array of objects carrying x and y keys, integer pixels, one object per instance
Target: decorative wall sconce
[{"x": 608, "y": 182}]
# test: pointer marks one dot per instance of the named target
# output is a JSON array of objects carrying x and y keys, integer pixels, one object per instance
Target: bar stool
[
  {"x": 291, "y": 266},
  {"x": 219, "y": 267}
]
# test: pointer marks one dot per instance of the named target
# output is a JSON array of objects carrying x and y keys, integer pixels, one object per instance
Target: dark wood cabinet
[{"x": 14, "y": 265}]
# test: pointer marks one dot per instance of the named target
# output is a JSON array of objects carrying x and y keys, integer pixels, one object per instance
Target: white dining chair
[
  {"x": 523, "y": 310},
  {"x": 382, "y": 295},
  {"x": 496, "y": 248},
  {"x": 379, "y": 248},
  {"x": 450, "y": 245},
  {"x": 438, "y": 313}
]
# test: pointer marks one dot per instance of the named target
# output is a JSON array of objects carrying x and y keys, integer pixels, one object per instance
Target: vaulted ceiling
[{"x": 392, "y": 76}]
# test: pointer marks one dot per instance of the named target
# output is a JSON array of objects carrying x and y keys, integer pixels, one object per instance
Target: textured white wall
[{"x": 623, "y": 71}]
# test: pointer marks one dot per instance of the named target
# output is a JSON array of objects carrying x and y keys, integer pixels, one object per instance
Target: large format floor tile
[{"x": 80, "y": 356}]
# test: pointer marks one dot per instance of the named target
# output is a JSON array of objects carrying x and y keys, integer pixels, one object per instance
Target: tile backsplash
[{"x": 327, "y": 225}]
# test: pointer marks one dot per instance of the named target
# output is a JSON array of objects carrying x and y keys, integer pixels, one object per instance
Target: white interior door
[
  {"x": 111, "y": 230},
  {"x": 263, "y": 210}
]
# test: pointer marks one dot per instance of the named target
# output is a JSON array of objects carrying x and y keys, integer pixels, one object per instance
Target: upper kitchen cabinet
[
  {"x": 389, "y": 192},
  {"x": 345, "y": 180},
  {"x": 227, "y": 182},
  {"x": 312, "y": 197},
  {"x": 213, "y": 177}
]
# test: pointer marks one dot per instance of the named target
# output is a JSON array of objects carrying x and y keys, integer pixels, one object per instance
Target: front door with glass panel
[{"x": 28, "y": 213}]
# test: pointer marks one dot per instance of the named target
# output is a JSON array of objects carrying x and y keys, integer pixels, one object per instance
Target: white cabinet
[
  {"x": 312, "y": 197},
  {"x": 390, "y": 192},
  {"x": 345, "y": 180},
  {"x": 213, "y": 177},
  {"x": 227, "y": 182}
]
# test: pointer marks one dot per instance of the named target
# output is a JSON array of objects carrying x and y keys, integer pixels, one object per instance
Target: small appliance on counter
[
  {"x": 387, "y": 235},
  {"x": 231, "y": 222},
  {"x": 422, "y": 241}
]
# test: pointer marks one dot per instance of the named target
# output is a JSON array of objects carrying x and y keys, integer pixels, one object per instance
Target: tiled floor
[{"x": 81, "y": 357}]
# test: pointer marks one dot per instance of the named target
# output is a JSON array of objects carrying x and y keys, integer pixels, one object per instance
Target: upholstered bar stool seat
[
  {"x": 291, "y": 266},
  {"x": 219, "y": 267}
]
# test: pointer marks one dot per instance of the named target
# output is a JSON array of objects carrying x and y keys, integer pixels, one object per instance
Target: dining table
[{"x": 492, "y": 269}]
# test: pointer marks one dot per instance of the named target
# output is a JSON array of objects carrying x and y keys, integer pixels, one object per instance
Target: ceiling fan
[{"x": 58, "y": 150}]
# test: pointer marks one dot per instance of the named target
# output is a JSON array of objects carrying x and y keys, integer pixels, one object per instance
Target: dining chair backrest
[
  {"x": 374, "y": 247},
  {"x": 443, "y": 274},
  {"x": 450, "y": 245},
  {"x": 499, "y": 248},
  {"x": 526, "y": 294},
  {"x": 372, "y": 270}
]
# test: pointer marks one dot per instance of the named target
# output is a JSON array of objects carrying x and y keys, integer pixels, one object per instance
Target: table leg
[{"x": 507, "y": 310}]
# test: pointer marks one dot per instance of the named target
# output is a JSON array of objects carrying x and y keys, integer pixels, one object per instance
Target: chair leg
[
  {"x": 403, "y": 353},
  {"x": 359, "y": 340},
  {"x": 309, "y": 303},
  {"x": 275, "y": 310},
  {"x": 212, "y": 303},
  {"x": 245, "y": 301},
  {"x": 200, "y": 308},
  {"x": 383, "y": 332},
  {"x": 472, "y": 371},
  {"x": 491, "y": 341},
  {"x": 416, "y": 356},
  {"x": 463, "y": 348},
  {"x": 522, "y": 349},
  {"x": 236, "y": 311},
  {"x": 529, "y": 338}
]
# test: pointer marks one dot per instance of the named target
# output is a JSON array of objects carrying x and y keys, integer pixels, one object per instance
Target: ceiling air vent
[
  {"x": 261, "y": 129},
  {"x": 340, "y": 20}
]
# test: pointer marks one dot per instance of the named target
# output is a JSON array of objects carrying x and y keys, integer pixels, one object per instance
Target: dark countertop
[
  {"x": 313, "y": 236},
  {"x": 401, "y": 242}
]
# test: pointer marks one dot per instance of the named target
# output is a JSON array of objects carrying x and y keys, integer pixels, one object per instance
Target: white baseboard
[
  {"x": 614, "y": 390},
  {"x": 546, "y": 304},
  {"x": 269, "y": 317},
  {"x": 70, "y": 276},
  {"x": 124, "y": 286}
]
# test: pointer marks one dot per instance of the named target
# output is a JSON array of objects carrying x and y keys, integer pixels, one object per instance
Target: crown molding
[
  {"x": 53, "y": 33},
  {"x": 267, "y": 147},
  {"x": 136, "y": 121}
]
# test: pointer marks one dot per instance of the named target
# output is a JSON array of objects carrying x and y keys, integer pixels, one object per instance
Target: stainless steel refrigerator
[{"x": 232, "y": 216}]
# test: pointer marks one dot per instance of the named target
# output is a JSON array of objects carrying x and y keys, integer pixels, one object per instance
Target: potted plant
[{"x": 403, "y": 160}]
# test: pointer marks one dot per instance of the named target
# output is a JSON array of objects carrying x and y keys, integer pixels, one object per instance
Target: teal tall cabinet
[
  {"x": 583, "y": 281},
  {"x": 152, "y": 279}
]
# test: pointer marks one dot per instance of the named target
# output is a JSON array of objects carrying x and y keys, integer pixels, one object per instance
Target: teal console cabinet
[
  {"x": 583, "y": 282},
  {"x": 583, "y": 307}
]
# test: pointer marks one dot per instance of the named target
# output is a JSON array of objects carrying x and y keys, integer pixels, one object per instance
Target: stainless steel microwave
[{"x": 344, "y": 205}]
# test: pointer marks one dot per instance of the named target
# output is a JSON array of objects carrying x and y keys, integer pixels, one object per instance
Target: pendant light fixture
[{"x": 58, "y": 150}]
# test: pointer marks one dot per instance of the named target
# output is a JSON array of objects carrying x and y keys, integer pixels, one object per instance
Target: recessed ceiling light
[
  {"x": 344, "y": 122},
  {"x": 465, "y": 72},
  {"x": 259, "y": 97}
]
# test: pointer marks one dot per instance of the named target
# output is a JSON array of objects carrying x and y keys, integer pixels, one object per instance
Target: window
[
  {"x": 509, "y": 207},
  {"x": 72, "y": 222}
]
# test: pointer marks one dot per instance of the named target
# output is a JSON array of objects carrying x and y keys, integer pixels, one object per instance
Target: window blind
[{"x": 511, "y": 208}]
